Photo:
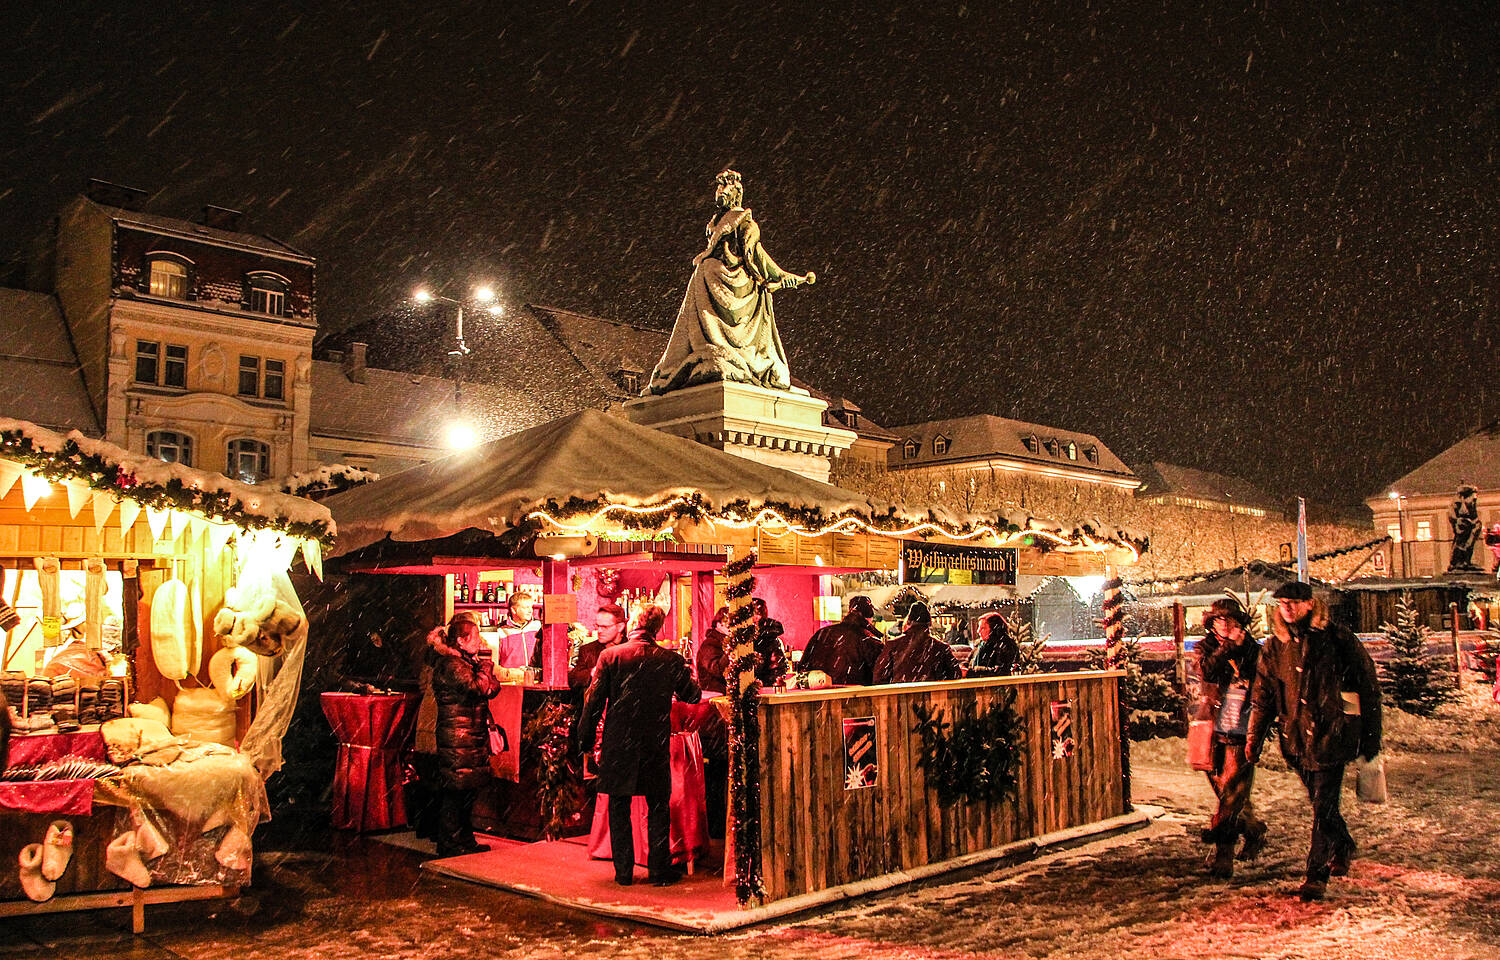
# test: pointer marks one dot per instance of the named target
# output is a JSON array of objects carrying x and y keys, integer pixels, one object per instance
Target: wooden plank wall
[{"x": 816, "y": 834}]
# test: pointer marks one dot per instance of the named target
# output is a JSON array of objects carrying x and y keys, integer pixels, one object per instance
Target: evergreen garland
[
  {"x": 744, "y": 733},
  {"x": 1415, "y": 681},
  {"x": 974, "y": 757},
  {"x": 1151, "y": 705},
  {"x": 558, "y": 792}
]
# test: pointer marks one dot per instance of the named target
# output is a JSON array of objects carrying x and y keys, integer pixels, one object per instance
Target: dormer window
[
  {"x": 851, "y": 419},
  {"x": 939, "y": 445},
  {"x": 909, "y": 450},
  {"x": 1072, "y": 450},
  {"x": 1033, "y": 445},
  {"x": 266, "y": 293},
  {"x": 167, "y": 276},
  {"x": 1052, "y": 446},
  {"x": 630, "y": 381},
  {"x": 1091, "y": 454}
]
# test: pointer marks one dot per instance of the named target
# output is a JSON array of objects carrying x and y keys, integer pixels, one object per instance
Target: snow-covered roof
[
  {"x": 156, "y": 483},
  {"x": 40, "y": 379},
  {"x": 190, "y": 230},
  {"x": 1474, "y": 460},
  {"x": 983, "y": 436},
  {"x": 1170, "y": 479},
  {"x": 586, "y": 456}
]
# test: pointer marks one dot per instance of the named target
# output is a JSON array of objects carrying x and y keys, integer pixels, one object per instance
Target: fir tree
[
  {"x": 1155, "y": 704},
  {"x": 1413, "y": 680},
  {"x": 1032, "y": 648}
]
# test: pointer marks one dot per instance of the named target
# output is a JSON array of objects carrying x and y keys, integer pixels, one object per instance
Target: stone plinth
[{"x": 782, "y": 428}]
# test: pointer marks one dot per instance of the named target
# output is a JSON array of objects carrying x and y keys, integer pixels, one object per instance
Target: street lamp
[
  {"x": 460, "y": 435},
  {"x": 1400, "y": 501}
]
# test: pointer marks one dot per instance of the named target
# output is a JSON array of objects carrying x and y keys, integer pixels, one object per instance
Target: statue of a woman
[
  {"x": 1463, "y": 518},
  {"x": 726, "y": 327}
]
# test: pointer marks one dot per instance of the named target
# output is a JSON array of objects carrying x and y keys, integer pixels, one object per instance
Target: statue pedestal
[{"x": 782, "y": 428}]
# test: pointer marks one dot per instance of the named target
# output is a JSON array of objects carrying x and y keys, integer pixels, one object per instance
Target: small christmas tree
[
  {"x": 1413, "y": 680},
  {"x": 1032, "y": 648},
  {"x": 1156, "y": 706}
]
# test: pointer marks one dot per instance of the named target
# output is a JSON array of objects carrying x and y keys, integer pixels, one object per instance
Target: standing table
[{"x": 374, "y": 731}]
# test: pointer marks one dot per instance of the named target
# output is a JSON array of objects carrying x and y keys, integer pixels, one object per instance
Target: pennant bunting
[{"x": 78, "y": 495}]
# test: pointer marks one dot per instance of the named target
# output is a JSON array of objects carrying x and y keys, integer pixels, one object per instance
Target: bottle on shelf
[{"x": 463, "y": 588}]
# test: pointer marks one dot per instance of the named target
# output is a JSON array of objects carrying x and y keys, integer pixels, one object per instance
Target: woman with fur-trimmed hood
[
  {"x": 1227, "y": 658},
  {"x": 463, "y": 680}
]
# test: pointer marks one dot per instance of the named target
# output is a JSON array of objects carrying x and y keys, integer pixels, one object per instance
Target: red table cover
[
  {"x": 39, "y": 748},
  {"x": 72, "y": 797},
  {"x": 689, "y": 809},
  {"x": 373, "y": 731}
]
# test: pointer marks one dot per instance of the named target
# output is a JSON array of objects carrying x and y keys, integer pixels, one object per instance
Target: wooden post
[
  {"x": 1179, "y": 651},
  {"x": 1114, "y": 637},
  {"x": 1458, "y": 653},
  {"x": 554, "y": 638}
]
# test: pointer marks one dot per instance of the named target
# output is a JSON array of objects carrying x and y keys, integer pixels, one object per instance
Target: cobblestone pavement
[{"x": 1425, "y": 887}]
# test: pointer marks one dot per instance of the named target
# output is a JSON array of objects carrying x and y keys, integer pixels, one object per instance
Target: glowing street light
[{"x": 461, "y": 436}]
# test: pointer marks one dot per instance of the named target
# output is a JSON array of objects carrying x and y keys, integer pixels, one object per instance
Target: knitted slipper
[
  {"x": 123, "y": 859},
  {"x": 36, "y": 886},
  {"x": 234, "y": 850},
  {"x": 57, "y": 849}
]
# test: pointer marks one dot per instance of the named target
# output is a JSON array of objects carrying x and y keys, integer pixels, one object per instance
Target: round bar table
[{"x": 373, "y": 731}]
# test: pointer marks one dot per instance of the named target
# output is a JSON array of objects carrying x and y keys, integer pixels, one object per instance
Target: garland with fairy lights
[
  {"x": 71, "y": 462},
  {"x": 1115, "y": 652},
  {"x": 1260, "y": 566},
  {"x": 744, "y": 733}
]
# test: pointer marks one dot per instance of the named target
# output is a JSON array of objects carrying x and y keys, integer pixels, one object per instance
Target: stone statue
[
  {"x": 726, "y": 326},
  {"x": 1463, "y": 517}
]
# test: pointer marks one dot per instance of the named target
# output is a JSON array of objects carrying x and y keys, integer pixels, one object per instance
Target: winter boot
[
  {"x": 57, "y": 849},
  {"x": 1339, "y": 865},
  {"x": 36, "y": 886},
  {"x": 1312, "y": 890},
  {"x": 234, "y": 850},
  {"x": 148, "y": 840},
  {"x": 1255, "y": 842},
  {"x": 1222, "y": 865},
  {"x": 123, "y": 858}
]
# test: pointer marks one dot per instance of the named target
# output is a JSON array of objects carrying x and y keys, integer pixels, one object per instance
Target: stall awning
[{"x": 588, "y": 456}]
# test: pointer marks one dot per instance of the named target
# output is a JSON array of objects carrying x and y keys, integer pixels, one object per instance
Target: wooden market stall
[
  {"x": 152, "y": 651},
  {"x": 829, "y": 787}
]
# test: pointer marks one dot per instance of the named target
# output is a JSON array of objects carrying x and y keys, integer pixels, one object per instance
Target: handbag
[
  {"x": 1369, "y": 784},
  {"x": 1200, "y": 740}
]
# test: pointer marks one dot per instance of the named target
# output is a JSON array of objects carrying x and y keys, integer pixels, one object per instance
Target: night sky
[{"x": 1258, "y": 238}]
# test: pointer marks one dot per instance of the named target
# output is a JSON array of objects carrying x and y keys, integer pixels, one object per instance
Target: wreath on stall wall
[{"x": 976, "y": 757}]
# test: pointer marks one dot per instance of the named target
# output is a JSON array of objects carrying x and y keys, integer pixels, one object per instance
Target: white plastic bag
[{"x": 1370, "y": 779}]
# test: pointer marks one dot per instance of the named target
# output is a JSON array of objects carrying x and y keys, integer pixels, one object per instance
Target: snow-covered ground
[{"x": 1425, "y": 887}]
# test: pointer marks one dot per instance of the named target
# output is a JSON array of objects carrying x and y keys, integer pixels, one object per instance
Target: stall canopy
[{"x": 586, "y": 458}]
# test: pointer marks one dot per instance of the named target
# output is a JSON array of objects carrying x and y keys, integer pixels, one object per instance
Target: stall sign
[
  {"x": 559, "y": 608},
  {"x": 861, "y": 762},
  {"x": 883, "y": 553},
  {"x": 815, "y": 551},
  {"x": 774, "y": 549},
  {"x": 943, "y": 563},
  {"x": 1063, "y": 742},
  {"x": 849, "y": 550}
]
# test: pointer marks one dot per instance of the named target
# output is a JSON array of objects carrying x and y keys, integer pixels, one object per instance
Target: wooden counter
[{"x": 817, "y": 834}]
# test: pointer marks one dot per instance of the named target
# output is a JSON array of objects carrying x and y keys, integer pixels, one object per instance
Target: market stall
[
  {"x": 590, "y": 507},
  {"x": 153, "y": 649}
]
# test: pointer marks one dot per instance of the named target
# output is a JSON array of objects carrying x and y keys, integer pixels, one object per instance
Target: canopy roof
[{"x": 586, "y": 458}]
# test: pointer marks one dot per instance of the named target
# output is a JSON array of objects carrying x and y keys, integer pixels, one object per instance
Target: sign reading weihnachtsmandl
[{"x": 944, "y": 563}]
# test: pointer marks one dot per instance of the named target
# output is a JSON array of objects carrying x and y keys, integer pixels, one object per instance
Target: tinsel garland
[
  {"x": 744, "y": 733},
  {"x": 558, "y": 792},
  {"x": 1114, "y": 650},
  {"x": 973, "y": 757},
  {"x": 73, "y": 463},
  {"x": 1254, "y": 566}
]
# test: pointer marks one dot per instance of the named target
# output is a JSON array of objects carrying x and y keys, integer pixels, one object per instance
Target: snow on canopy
[{"x": 588, "y": 456}]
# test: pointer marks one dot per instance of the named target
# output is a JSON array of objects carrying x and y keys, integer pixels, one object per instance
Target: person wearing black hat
[
  {"x": 1227, "y": 657},
  {"x": 916, "y": 656},
  {"x": 1320, "y": 681},
  {"x": 846, "y": 650}
]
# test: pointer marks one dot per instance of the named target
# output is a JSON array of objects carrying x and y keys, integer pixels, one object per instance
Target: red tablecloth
[
  {"x": 72, "y": 797},
  {"x": 39, "y": 748},
  {"x": 373, "y": 731},
  {"x": 689, "y": 811}
]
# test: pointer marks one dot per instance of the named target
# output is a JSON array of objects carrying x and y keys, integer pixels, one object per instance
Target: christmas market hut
[
  {"x": 830, "y": 790},
  {"x": 153, "y": 647}
]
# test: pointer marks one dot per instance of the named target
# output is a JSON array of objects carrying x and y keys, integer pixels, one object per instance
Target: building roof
[
  {"x": 190, "y": 230},
  {"x": 411, "y": 409},
  {"x": 1170, "y": 479},
  {"x": 589, "y": 456},
  {"x": 1473, "y": 460},
  {"x": 604, "y": 347},
  {"x": 984, "y": 436},
  {"x": 40, "y": 379}
]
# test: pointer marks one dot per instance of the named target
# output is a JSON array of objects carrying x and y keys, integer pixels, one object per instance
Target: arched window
[
  {"x": 249, "y": 460},
  {"x": 266, "y": 293},
  {"x": 170, "y": 446},
  {"x": 167, "y": 276}
]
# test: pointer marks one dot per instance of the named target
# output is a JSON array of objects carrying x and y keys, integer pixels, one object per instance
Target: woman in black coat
[
  {"x": 463, "y": 680},
  {"x": 1227, "y": 659},
  {"x": 996, "y": 654}
]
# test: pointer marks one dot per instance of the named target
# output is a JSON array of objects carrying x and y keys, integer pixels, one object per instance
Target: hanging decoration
[
  {"x": 975, "y": 757},
  {"x": 558, "y": 791},
  {"x": 1113, "y": 623},
  {"x": 744, "y": 733}
]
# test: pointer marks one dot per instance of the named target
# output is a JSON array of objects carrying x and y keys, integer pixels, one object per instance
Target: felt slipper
[
  {"x": 123, "y": 859},
  {"x": 36, "y": 886},
  {"x": 57, "y": 849}
]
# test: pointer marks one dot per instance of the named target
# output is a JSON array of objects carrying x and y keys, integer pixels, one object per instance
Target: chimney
[
  {"x": 221, "y": 218},
  {"x": 115, "y": 195},
  {"x": 354, "y": 362}
]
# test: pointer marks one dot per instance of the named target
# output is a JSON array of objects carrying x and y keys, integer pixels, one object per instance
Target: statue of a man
[
  {"x": 726, "y": 327},
  {"x": 1463, "y": 517}
]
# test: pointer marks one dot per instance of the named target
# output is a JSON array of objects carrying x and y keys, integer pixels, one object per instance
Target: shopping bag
[
  {"x": 1201, "y": 744},
  {"x": 1369, "y": 783}
]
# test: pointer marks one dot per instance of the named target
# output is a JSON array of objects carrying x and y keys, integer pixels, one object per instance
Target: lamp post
[
  {"x": 1400, "y": 501},
  {"x": 460, "y": 434}
]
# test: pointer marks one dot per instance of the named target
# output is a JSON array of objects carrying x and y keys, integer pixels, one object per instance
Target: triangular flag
[
  {"x": 285, "y": 551},
  {"x": 312, "y": 555},
  {"x": 78, "y": 495},
  {"x": 34, "y": 488},
  {"x": 104, "y": 505},
  {"x": 156, "y": 519},
  {"x": 10, "y": 472},
  {"x": 197, "y": 527},
  {"x": 179, "y": 520},
  {"x": 218, "y": 537},
  {"x": 129, "y": 510}
]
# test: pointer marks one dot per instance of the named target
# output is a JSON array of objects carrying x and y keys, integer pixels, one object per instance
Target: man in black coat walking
[
  {"x": 846, "y": 650},
  {"x": 633, "y": 686},
  {"x": 1318, "y": 679}
]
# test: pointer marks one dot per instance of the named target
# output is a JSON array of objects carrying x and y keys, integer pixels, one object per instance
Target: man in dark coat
[
  {"x": 463, "y": 680},
  {"x": 769, "y": 646},
  {"x": 846, "y": 650},
  {"x": 712, "y": 659},
  {"x": 609, "y": 627},
  {"x": 633, "y": 686},
  {"x": 1320, "y": 681},
  {"x": 915, "y": 656}
]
